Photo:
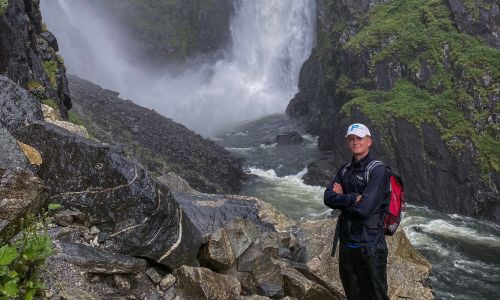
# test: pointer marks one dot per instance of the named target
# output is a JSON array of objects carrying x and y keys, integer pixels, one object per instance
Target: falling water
[{"x": 257, "y": 76}]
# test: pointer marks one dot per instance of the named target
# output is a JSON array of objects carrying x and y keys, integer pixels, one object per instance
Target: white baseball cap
[{"x": 358, "y": 129}]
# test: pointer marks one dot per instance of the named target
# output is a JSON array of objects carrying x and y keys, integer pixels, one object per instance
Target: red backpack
[{"x": 396, "y": 201}]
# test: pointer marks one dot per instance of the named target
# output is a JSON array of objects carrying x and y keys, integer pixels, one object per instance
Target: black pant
[{"x": 363, "y": 272}]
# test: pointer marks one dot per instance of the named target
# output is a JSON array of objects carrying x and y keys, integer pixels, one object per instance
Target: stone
[
  {"x": 102, "y": 237},
  {"x": 122, "y": 284},
  {"x": 31, "y": 153},
  {"x": 94, "y": 230},
  {"x": 11, "y": 156},
  {"x": 68, "y": 217},
  {"x": 167, "y": 282},
  {"x": 99, "y": 261},
  {"x": 226, "y": 244},
  {"x": 17, "y": 105},
  {"x": 153, "y": 275},
  {"x": 76, "y": 129},
  {"x": 291, "y": 138},
  {"x": 51, "y": 39},
  {"x": 170, "y": 294},
  {"x": 407, "y": 270},
  {"x": 21, "y": 193},
  {"x": 201, "y": 283},
  {"x": 100, "y": 181},
  {"x": 177, "y": 184},
  {"x": 75, "y": 294},
  {"x": 50, "y": 114},
  {"x": 298, "y": 286}
]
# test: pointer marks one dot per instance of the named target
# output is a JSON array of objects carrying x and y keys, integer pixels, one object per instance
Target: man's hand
[
  {"x": 337, "y": 188},
  {"x": 358, "y": 199}
]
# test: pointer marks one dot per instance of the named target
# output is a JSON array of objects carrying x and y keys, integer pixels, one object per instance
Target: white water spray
[{"x": 270, "y": 41}]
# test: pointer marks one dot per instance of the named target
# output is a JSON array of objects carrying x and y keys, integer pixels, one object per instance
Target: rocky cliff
[
  {"x": 175, "y": 30},
  {"x": 429, "y": 90},
  {"x": 28, "y": 53},
  {"x": 159, "y": 143}
]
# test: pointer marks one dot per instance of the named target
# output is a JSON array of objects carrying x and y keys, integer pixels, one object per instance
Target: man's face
[{"x": 359, "y": 146}]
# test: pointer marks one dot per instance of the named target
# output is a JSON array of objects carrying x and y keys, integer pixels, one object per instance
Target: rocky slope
[
  {"x": 429, "y": 91},
  {"x": 159, "y": 143},
  {"x": 28, "y": 53}
]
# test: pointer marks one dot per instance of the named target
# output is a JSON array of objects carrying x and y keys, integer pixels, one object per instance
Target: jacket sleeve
[
  {"x": 338, "y": 201},
  {"x": 374, "y": 194}
]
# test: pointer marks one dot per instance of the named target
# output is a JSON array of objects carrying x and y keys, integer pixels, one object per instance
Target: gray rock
[
  {"x": 226, "y": 244},
  {"x": 51, "y": 39},
  {"x": 68, "y": 217},
  {"x": 17, "y": 105},
  {"x": 153, "y": 275},
  {"x": 291, "y": 138},
  {"x": 101, "y": 182},
  {"x": 167, "y": 282},
  {"x": 75, "y": 294},
  {"x": 11, "y": 157},
  {"x": 94, "y": 230},
  {"x": 95, "y": 260},
  {"x": 201, "y": 283},
  {"x": 122, "y": 284},
  {"x": 21, "y": 193}
]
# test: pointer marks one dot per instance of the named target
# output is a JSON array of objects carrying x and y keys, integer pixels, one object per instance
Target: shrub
[{"x": 21, "y": 259}]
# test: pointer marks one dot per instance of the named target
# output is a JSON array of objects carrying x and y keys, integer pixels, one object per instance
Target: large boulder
[
  {"x": 407, "y": 270},
  {"x": 137, "y": 212},
  {"x": 21, "y": 193},
  {"x": 201, "y": 283}
]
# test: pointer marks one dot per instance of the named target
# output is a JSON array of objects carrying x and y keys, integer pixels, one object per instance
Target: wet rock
[
  {"x": 167, "y": 282},
  {"x": 208, "y": 212},
  {"x": 139, "y": 214},
  {"x": 291, "y": 138},
  {"x": 298, "y": 286},
  {"x": 76, "y": 129},
  {"x": 68, "y": 217},
  {"x": 226, "y": 244},
  {"x": 95, "y": 260},
  {"x": 153, "y": 275},
  {"x": 11, "y": 156},
  {"x": 201, "y": 283},
  {"x": 21, "y": 193},
  {"x": 407, "y": 269},
  {"x": 51, "y": 39},
  {"x": 17, "y": 105}
]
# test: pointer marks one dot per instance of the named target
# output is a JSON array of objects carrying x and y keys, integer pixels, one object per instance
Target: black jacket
[{"x": 360, "y": 223}]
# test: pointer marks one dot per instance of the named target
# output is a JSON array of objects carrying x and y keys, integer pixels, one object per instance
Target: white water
[{"x": 258, "y": 76}]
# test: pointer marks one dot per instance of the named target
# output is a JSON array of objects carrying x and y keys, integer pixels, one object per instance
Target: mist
[{"x": 256, "y": 76}]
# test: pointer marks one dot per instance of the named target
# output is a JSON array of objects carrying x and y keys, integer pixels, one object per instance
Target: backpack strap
[
  {"x": 371, "y": 166},
  {"x": 344, "y": 169}
]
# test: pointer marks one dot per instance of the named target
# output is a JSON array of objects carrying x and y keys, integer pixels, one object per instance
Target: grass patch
[
  {"x": 3, "y": 6},
  {"x": 51, "y": 103},
  {"x": 75, "y": 119},
  {"x": 51, "y": 69}
]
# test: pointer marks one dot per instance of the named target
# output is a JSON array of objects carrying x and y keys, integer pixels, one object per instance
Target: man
[{"x": 362, "y": 251}]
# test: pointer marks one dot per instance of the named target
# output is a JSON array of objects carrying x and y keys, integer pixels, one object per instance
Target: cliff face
[
  {"x": 28, "y": 53},
  {"x": 175, "y": 29},
  {"x": 429, "y": 92}
]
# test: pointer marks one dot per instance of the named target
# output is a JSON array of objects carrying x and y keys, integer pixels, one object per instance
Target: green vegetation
[
  {"x": 21, "y": 260},
  {"x": 3, "y": 6},
  {"x": 51, "y": 103},
  {"x": 51, "y": 69},
  {"x": 36, "y": 89},
  {"x": 75, "y": 119},
  {"x": 417, "y": 33}
]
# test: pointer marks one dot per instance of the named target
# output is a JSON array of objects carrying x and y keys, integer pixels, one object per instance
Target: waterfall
[{"x": 257, "y": 76}]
